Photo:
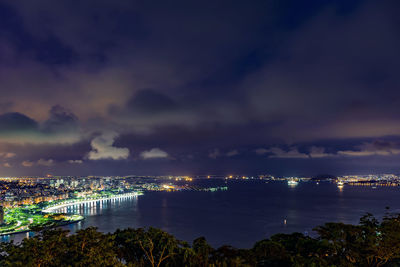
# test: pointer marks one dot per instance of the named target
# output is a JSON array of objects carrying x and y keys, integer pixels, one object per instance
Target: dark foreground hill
[{"x": 371, "y": 243}]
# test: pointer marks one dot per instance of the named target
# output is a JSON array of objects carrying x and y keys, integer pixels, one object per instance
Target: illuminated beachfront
[
  {"x": 73, "y": 202},
  {"x": 33, "y": 202},
  {"x": 45, "y": 214}
]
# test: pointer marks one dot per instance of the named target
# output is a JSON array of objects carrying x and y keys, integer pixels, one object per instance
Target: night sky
[{"x": 199, "y": 87}]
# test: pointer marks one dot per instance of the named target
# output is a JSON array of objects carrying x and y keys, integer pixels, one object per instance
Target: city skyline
[{"x": 183, "y": 88}]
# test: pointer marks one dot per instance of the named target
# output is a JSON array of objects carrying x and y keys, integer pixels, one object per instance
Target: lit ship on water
[
  {"x": 340, "y": 185},
  {"x": 292, "y": 182}
]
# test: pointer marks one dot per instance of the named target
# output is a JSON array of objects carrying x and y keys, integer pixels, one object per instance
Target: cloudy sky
[{"x": 199, "y": 87}]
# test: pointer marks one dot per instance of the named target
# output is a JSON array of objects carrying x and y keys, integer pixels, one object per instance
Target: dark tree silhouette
[{"x": 370, "y": 243}]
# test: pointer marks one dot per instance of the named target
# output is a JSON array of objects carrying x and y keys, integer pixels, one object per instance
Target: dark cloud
[
  {"x": 321, "y": 84},
  {"x": 296, "y": 82},
  {"x": 148, "y": 101},
  {"x": 60, "y": 119},
  {"x": 146, "y": 105},
  {"x": 16, "y": 122},
  {"x": 60, "y": 127}
]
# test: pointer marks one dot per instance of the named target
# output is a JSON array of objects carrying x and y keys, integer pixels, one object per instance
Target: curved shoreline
[
  {"x": 63, "y": 205},
  {"x": 52, "y": 208}
]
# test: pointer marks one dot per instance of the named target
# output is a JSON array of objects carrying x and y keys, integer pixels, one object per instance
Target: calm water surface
[{"x": 249, "y": 211}]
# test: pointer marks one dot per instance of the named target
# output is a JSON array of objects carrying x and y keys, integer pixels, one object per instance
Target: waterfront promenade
[{"x": 68, "y": 203}]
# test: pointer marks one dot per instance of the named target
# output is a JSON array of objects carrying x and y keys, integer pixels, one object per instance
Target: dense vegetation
[
  {"x": 23, "y": 218},
  {"x": 371, "y": 243}
]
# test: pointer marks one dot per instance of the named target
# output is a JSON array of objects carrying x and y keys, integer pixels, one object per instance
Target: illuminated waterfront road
[
  {"x": 88, "y": 201},
  {"x": 23, "y": 226}
]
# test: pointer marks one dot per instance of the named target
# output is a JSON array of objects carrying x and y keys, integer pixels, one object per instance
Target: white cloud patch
[
  {"x": 214, "y": 153},
  {"x": 45, "y": 162},
  {"x": 377, "y": 148},
  {"x": 154, "y": 153},
  {"x": 7, "y": 165},
  {"x": 7, "y": 155},
  {"x": 27, "y": 163},
  {"x": 76, "y": 161},
  {"x": 103, "y": 148},
  {"x": 261, "y": 151},
  {"x": 232, "y": 153},
  {"x": 353, "y": 153},
  {"x": 276, "y": 152},
  {"x": 319, "y": 152}
]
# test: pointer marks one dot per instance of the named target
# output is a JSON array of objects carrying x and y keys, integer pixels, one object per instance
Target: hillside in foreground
[{"x": 370, "y": 243}]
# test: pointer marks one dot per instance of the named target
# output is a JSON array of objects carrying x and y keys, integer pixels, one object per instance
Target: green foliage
[
  {"x": 151, "y": 247},
  {"x": 371, "y": 243}
]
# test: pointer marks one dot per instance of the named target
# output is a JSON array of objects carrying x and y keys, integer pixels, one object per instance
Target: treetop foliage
[{"x": 370, "y": 243}]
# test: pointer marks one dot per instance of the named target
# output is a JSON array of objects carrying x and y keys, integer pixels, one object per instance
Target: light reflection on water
[
  {"x": 249, "y": 211},
  {"x": 95, "y": 207},
  {"x": 88, "y": 209}
]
